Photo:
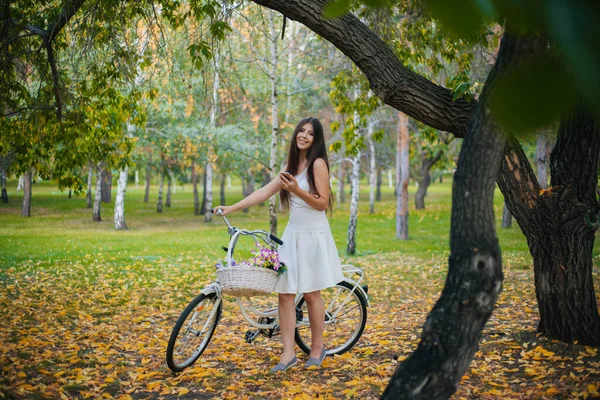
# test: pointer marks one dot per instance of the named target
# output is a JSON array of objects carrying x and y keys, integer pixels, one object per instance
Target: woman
[{"x": 308, "y": 248}]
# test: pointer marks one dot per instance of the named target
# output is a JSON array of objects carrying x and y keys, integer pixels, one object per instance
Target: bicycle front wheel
[
  {"x": 345, "y": 319},
  {"x": 193, "y": 331}
]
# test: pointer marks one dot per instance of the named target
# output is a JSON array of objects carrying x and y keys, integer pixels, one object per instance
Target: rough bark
[
  {"x": 426, "y": 164},
  {"x": 506, "y": 217},
  {"x": 403, "y": 174},
  {"x": 26, "y": 208},
  {"x": 274, "y": 120},
  {"x": 195, "y": 189},
  {"x": 119, "y": 212},
  {"x": 98, "y": 195},
  {"x": 161, "y": 184},
  {"x": 559, "y": 224},
  {"x": 453, "y": 328},
  {"x": 148, "y": 172},
  {"x": 107, "y": 185}
]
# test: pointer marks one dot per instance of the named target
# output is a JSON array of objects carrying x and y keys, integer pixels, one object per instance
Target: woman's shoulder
[{"x": 320, "y": 164}]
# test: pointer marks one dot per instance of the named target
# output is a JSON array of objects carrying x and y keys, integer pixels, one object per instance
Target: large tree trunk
[
  {"x": 403, "y": 174},
  {"x": 274, "y": 120},
  {"x": 351, "y": 246},
  {"x": 169, "y": 188},
  {"x": 27, "y": 180},
  {"x": 559, "y": 224},
  {"x": 161, "y": 185},
  {"x": 107, "y": 185},
  {"x": 195, "y": 189},
  {"x": 120, "y": 223},
  {"x": 452, "y": 330},
  {"x": 148, "y": 172},
  {"x": 426, "y": 165},
  {"x": 98, "y": 195}
]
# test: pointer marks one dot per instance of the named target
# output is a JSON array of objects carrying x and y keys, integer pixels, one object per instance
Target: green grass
[{"x": 62, "y": 229}]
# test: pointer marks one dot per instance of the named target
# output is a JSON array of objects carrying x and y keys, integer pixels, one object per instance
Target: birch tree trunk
[
  {"x": 26, "y": 209},
  {"x": 208, "y": 180},
  {"x": 274, "y": 121},
  {"x": 402, "y": 174},
  {"x": 542, "y": 159},
  {"x": 161, "y": 184},
  {"x": 88, "y": 195},
  {"x": 195, "y": 189},
  {"x": 340, "y": 195},
  {"x": 173, "y": 180},
  {"x": 20, "y": 184},
  {"x": 148, "y": 171},
  {"x": 98, "y": 195},
  {"x": 351, "y": 247},
  {"x": 120, "y": 223},
  {"x": 169, "y": 187},
  {"x": 203, "y": 205},
  {"x": 137, "y": 178},
  {"x": 372, "y": 171}
]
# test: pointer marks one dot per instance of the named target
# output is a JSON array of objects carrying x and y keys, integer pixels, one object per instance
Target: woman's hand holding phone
[{"x": 288, "y": 182}]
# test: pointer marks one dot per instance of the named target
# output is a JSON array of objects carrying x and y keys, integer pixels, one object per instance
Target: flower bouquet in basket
[{"x": 253, "y": 277}]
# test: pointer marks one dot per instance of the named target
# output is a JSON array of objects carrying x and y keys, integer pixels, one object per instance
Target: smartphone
[{"x": 286, "y": 173}]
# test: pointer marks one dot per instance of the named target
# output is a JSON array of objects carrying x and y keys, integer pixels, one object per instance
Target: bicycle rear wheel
[
  {"x": 193, "y": 331},
  {"x": 345, "y": 319}
]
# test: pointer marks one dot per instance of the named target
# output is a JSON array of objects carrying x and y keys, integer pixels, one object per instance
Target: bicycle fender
[
  {"x": 360, "y": 289},
  {"x": 211, "y": 288}
]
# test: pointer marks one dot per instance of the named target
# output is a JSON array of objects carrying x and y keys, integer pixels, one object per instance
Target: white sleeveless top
[{"x": 308, "y": 249}]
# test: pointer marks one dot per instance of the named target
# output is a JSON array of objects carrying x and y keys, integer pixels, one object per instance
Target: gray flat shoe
[
  {"x": 316, "y": 362},
  {"x": 282, "y": 367}
]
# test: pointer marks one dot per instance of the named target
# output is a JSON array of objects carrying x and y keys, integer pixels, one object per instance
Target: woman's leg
[
  {"x": 316, "y": 316},
  {"x": 287, "y": 325}
]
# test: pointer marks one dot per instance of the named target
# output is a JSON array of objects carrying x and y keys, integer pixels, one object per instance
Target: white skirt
[{"x": 309, "y": 253}]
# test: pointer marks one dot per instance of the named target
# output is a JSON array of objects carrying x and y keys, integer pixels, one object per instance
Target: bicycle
[{"x": 345, "y": 313}]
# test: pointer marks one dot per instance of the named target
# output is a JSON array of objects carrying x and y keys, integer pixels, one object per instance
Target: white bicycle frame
[{"x": 215, "y": 287}]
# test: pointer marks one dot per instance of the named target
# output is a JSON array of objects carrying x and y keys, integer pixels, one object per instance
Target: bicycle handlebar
[{"x": 232, "y": 229}]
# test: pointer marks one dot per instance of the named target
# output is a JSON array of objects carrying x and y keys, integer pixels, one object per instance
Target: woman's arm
[
  {"x": 321, "y": 182},
  {"x": 258, "y": 196}
]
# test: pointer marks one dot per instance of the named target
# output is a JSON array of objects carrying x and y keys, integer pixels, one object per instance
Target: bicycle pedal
[{"x": 251, "y": 335}]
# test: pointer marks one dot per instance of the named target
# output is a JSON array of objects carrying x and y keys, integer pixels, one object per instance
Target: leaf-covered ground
[{"x": 93, "y": 327}]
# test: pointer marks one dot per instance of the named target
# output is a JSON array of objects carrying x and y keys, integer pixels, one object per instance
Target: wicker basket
[{"x": 246, "y": 280}]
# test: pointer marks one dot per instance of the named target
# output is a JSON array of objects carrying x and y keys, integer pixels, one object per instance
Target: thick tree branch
[
  {"x": 390, "y": 80},
  {"x": 69, "y": 10},
  {"x": 55, "y": 79}
]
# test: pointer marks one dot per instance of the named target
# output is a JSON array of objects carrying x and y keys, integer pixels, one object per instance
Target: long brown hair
[{"x": 317, "y": 150}]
